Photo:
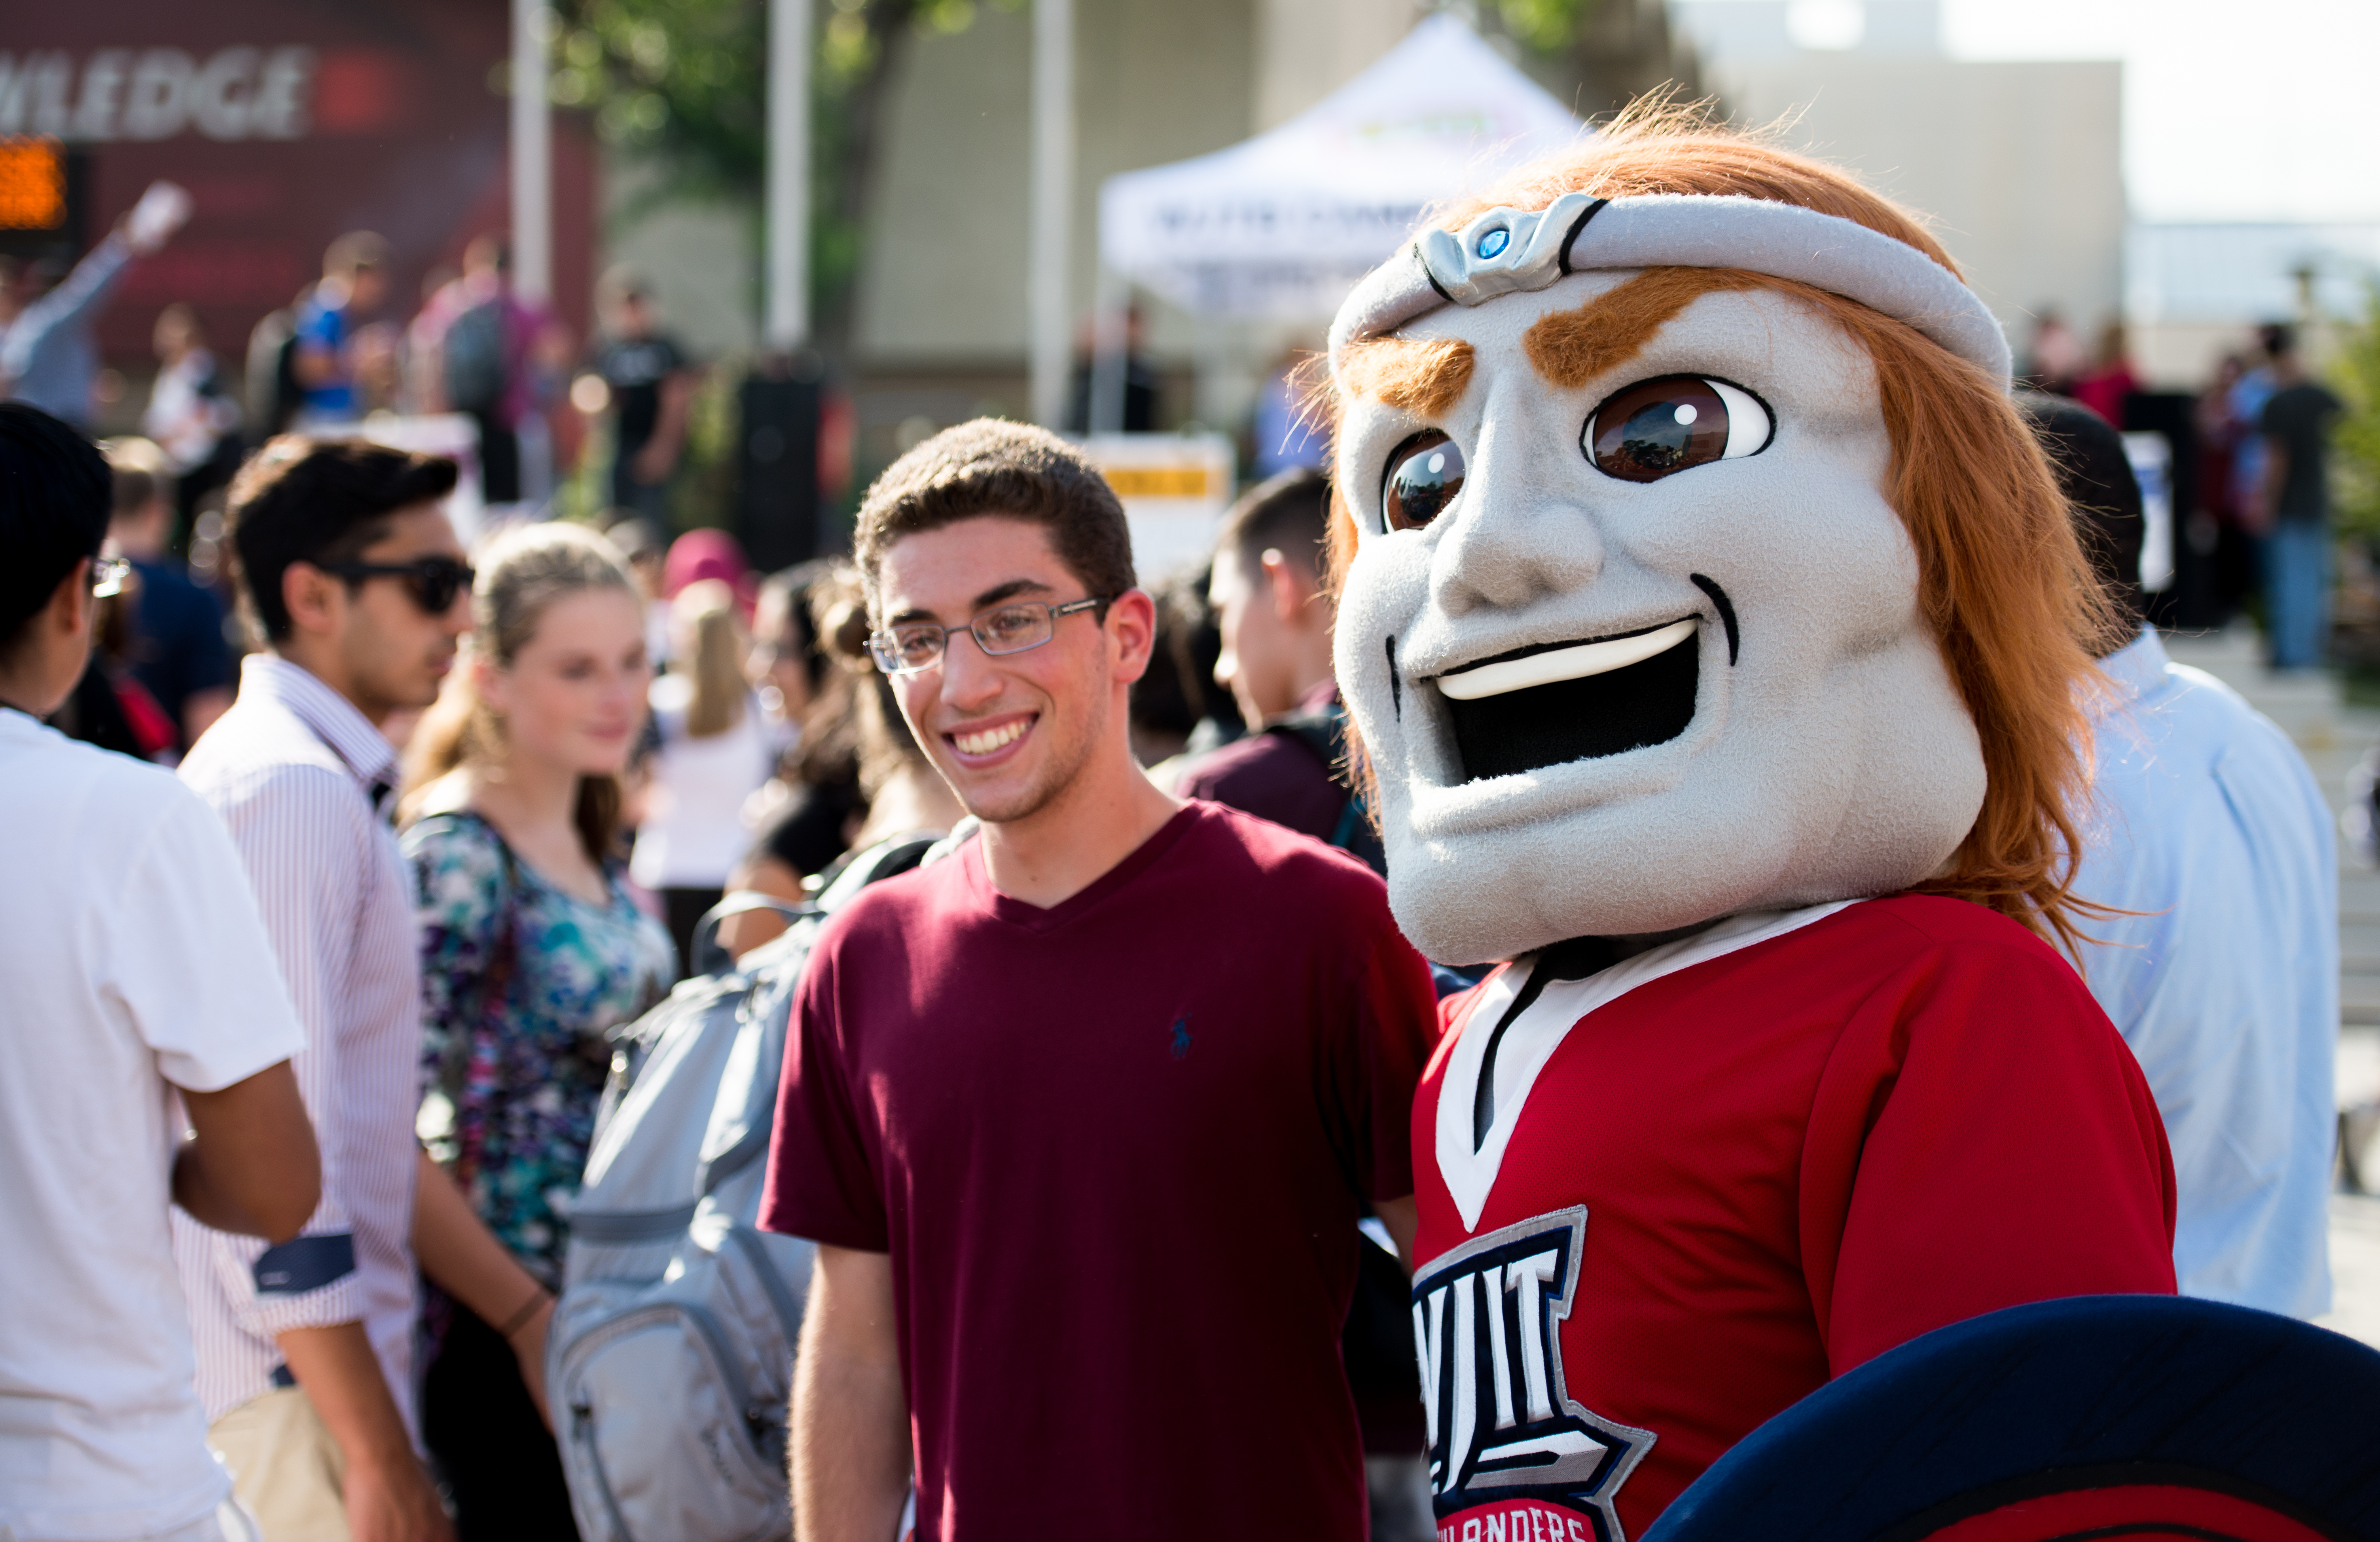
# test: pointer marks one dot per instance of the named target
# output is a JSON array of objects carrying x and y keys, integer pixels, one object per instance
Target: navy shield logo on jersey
[{"x": 1506, "y": 1440}]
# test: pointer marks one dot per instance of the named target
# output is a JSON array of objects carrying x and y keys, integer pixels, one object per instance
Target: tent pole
[
  {"x": 1053, "y": 198},
  {"x": 1110, "y": 344},
  {"x": 789, "y": 173}
]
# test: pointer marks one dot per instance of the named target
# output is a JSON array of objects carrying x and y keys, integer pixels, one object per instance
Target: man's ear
[
  {"x": 73, "y": 609},
  {"x": 316, "y": 601},
  {"x": 63, "y": 622},
  {"x": 1292, "y": 589},
  {"x": 1132, "y": 623}
]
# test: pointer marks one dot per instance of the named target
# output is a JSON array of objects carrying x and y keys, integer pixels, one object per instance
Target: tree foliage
[
  {"x": 1546, "y": 26},
  {"x": 2356, "y": 372},
  {"x": 682, "y": 81}
]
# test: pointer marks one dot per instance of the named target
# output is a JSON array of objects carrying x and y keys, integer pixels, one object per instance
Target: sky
[{"x": 2233, "y": 109}]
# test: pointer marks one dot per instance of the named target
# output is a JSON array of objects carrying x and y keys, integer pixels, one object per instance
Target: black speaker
[{"x": 776, "y": 462}]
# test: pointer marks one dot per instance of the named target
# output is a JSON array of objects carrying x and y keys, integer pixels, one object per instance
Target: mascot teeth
[
  {"x": 1577, "y": 703},
  {"x": 1572, "y": 661}
]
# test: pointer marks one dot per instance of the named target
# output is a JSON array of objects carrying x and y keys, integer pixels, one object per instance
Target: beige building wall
[
  {"x": 2183, "y": 355},
  {"x": 943, "y": 300},
  {"x": 2019, "y": 163},
  {"x": 945, "y": 281},
  {"x": 1307, "y": 49},
  {"x": 946, "y": 273}
]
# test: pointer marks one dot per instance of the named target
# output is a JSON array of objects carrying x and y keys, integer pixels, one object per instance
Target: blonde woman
[
  {"x": 715, "y": 751},
  {"x": 532, "y": 949}
]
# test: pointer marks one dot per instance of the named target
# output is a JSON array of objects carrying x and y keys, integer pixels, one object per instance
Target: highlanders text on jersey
[{"x": 1663, "y": 1201}]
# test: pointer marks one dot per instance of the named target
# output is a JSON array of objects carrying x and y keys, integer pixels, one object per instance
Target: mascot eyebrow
[
  {"x": 1571, "y": 347},
  {"x": 1417, "y": 375},
  {"x": 1568, "y": 347}
]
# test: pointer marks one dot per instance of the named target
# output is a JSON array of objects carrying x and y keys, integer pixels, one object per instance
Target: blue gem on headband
[{"x": 1505, "y": 249}]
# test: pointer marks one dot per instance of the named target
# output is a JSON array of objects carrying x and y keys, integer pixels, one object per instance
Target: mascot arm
[{"x": 1981, "y": 1139}]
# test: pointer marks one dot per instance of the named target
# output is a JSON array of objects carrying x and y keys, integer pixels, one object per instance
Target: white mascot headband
[{"x": 1505, "y": 250}]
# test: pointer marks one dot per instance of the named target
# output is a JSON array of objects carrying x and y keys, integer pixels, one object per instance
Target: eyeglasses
[
  {"x": 1010, "y": 628},
  {"x": 108, "y": 576},
  {"x": 433, "y": 581}
]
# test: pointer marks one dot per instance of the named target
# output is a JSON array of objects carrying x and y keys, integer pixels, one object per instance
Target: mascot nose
[{"x": 1515, "y": 538}]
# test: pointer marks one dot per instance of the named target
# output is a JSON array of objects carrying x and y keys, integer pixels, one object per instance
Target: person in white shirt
[
  {"x": 191, "y": 415},
  {"x": 2220, "y": 963},
  {"x": 353, "y": 575},
  {"x": 715, "y": 751},
  {"x": 139, "y": 973}
]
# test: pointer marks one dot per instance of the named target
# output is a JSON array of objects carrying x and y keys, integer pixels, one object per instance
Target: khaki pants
[{"x": 285, "y": 1466}]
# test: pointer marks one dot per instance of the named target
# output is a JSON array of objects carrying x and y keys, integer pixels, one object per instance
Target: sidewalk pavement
[{"x": 2332, "y": 735}]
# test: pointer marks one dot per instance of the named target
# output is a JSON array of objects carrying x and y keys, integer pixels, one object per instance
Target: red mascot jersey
[{"x": 1705, "y": 1180}]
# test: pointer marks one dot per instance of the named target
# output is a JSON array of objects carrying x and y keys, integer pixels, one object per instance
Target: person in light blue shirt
[
  {"x": 2224, "y": 978},
  {"x": 48, "y": 358}
]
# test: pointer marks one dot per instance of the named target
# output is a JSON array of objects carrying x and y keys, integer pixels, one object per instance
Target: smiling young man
[{"x": 1082, "y": 1116}]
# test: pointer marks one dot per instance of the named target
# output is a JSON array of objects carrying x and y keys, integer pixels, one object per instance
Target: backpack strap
[
  {"x": 961, "y": 834},
  {"x": 855, "y": 870},
  {"x": 885, "y": 859},
  {"x": 709, "y": 958},
  {"x": 625, "y": 1227}
]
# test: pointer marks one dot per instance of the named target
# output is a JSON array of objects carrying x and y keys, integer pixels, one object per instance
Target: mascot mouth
[{"x": 1559, "y": 702}]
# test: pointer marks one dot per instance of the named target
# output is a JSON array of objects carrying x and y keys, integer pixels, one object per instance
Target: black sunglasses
[{"x": 433, "y": 581}]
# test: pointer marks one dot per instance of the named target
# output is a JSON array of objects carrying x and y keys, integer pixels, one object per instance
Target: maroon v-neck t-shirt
[{"x": 1117, "y": 1149}]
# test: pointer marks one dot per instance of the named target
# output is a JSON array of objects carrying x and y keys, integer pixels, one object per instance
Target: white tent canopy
[{"x": 1284, "y": 224}]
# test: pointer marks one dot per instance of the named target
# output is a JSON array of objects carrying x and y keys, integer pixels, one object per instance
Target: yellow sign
[
  {"x": 32, "y": 183},
  {"x": 1158, "y": 481}
]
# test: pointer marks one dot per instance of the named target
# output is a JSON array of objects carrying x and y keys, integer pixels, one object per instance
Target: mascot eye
[
  {"x": 1655, "y": 427},
  {"x": 1425, "y": 473}
]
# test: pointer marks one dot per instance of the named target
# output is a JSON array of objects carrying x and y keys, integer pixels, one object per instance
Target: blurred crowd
[
  {"x": 345, "y": 347},
  {"x": 2251, "y": 451}
]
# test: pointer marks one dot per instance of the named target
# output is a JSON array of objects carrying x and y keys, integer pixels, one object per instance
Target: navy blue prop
[{"x": 2092, "y": 1393}]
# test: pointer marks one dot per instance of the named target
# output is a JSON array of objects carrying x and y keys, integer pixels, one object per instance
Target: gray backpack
[{"x": 671, "y": 1355}]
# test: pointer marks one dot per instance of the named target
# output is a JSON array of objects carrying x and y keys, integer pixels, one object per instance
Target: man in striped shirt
[{"x": 354, "y": 577}]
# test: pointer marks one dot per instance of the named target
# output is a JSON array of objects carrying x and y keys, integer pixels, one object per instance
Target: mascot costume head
[
  {"x": 1718, "y": 641},
  {"x": 1692, "y": 560}
]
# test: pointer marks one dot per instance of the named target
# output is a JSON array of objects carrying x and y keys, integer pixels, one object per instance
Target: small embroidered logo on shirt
[{"x": 1180, "y": 1038}]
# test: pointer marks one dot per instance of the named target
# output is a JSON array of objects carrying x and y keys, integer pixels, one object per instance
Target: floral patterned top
[{"x": 510, "y": 1086}]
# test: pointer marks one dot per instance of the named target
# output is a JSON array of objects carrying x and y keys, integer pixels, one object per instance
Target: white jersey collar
[{"x": 1532, "y": 1039}]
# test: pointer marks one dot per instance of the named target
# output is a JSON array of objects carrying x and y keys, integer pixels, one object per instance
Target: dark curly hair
[{"x": 1010, "y": 470}]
